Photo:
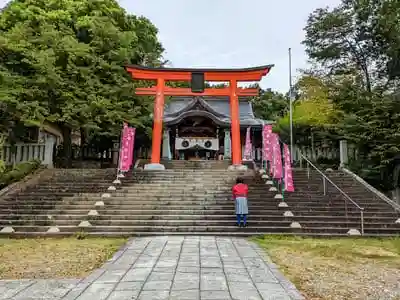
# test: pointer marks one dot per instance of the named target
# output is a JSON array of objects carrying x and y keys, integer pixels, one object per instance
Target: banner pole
[
  {"x": 119, "y": 154},
  {"x": 120, "y": 151}
]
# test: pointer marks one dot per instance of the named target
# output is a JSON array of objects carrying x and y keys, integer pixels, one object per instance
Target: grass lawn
[
  {"x": 338, "y": 268},
  {"x": 54, "y": 258}
]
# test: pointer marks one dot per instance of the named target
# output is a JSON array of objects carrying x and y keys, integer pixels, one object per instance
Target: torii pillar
[{"x": 197, "y": 77}]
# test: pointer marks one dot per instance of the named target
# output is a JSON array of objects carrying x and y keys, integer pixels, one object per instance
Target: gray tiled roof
[{"x": 217, "y": 106}]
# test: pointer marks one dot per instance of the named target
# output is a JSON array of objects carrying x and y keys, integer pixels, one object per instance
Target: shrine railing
[{"x": 23, "y": 152}]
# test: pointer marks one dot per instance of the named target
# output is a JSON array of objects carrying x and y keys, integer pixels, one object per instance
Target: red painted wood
[
  {"x": 235, "y": 124},
  {"x": 169, "y": 91},
  {"x": 158, "y": 122},
  {"x": 217, "y": 75}
]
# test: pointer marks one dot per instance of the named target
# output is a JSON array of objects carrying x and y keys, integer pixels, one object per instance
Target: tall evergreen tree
[{"x": 63, "y": 61}]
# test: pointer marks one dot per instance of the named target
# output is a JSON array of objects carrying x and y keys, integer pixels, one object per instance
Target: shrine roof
[
  {"x": 185, "y": 74},
  {"x": 258, "y": 68},
  {"x": 216, "y": 108}
]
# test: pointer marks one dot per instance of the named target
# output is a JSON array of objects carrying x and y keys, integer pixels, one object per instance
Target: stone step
[
  {"x": 239, "y": 233},
  {"x": 199, "y": 195},
  {"x": 172, "y": 185},
  {"x": 123, "y": 223},
  {"x": 186, "y": 193},
  {"x": 184, "y": 201},
  {"x": 149, "y": 228},
  {"x": 253, "y": 223},
  {"x": 182, "y": 188},
  {"x": 190, "y": 204},
  {"x": 184, "y": 211},
  {"x": 121, "y": 198},
  {"x": 133, "y": 230},
  {"x": 203, "y": 210},
  {"x": 202, "y": 222},
  {"x": 179, "y": 170},
  {"x": 319, "y": 189},
  {"x": 213, "y": 211},
  {"x": 273, "y": 215},
  {"x": 178, "y": 177},
  {"x": 76, "y": 177}
]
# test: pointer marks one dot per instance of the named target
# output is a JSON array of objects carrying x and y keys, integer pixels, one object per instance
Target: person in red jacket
[{"x": 240, "y": 191}]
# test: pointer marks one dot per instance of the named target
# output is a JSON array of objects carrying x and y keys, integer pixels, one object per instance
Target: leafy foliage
[
  {"x": 313, "y": 112},
  {"x": 18, "y": 172},
  {"x": 2, "y": 163},
  {"x": 270, "y": 105},
  {"x": 354, "y": 49},
  {"x": 62, "y": 61}
]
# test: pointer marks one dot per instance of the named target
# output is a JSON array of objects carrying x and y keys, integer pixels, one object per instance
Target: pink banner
[
  {"x": 289, "y": 187},
  {"x": 125, "y": 155},
  {"x": 267, "y": 134},
  {"x": 131, "y": 133},
  {"x": 248, "y": 146},
  {"x": 277, "y": 171}
]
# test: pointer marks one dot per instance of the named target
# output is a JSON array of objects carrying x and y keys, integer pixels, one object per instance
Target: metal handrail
[
  {"x": 326, "y": 178},
  {"x": 373, "y": 190}
]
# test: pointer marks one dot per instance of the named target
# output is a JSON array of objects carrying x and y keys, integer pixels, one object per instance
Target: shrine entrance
[
  {"x": 196, "y": 138},
  {"x": 198, "y": 78}
]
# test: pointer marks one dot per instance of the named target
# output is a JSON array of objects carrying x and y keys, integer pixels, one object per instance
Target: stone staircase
[
  {"x": 187, "y": 198},
  {"x": 191, "y": 199},
  {"x": 35, "y": 207},
  {"x": 331, "y": 214},
  {"x": 196, "y": 164}
]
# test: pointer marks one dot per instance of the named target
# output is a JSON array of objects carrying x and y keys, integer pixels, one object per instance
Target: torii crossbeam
[{"x": 197, "y": 78}]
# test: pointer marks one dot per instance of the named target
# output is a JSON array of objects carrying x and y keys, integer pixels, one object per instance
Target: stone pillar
[
  {"x": 227, "y": 143},
  {"x": 48, "y": 153},
  {"x": 344, "y": 158},
  {"x": 166, "y": 147},
  {"x": 396, "y": 195},
  {"x": 115, "y": 153}
]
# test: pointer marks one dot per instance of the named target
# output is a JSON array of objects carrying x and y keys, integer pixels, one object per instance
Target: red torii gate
[{"x": 197, "y": 78}]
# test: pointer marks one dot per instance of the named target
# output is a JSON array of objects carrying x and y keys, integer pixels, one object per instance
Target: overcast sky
[{"x": 231, "y": 33}]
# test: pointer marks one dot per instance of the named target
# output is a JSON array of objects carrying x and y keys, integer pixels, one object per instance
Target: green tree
[
  {"x": 358, "y": 37},
  {"x": 2, "y": 163},
  {"x": 270, "y": 105},
  {"x": 355, "y": 50},
  {"x": 314, "y": 114},
  {"x": 62, "y": 61}
]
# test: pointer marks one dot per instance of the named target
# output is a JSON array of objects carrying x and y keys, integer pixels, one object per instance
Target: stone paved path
[{"x": 181, "y": 268}]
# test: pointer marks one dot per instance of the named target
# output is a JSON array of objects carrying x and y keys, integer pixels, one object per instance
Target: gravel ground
[{"x": 340, "y": 269}]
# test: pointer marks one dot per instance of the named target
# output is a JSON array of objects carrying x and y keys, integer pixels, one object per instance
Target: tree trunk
[
  {"x": 67, "y": 147},
  {"x": 313, "y": 156},
  {"x": 83, "y": 142},
  {"x": 83, "y": 136}
]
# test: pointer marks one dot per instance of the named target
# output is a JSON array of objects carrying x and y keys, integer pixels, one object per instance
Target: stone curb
[
  {"x": 289, "y": 287},
  {"x": 84, "y": 283}
]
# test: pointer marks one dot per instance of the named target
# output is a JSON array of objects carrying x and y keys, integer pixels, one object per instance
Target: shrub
[
  {"x": 18, "y": 172},
  {"x": 2, "y": 163},
  {"x": 2, "y": 167}
]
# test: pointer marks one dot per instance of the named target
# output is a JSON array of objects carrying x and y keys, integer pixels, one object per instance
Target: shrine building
[{"x": 199, "y": 128}]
